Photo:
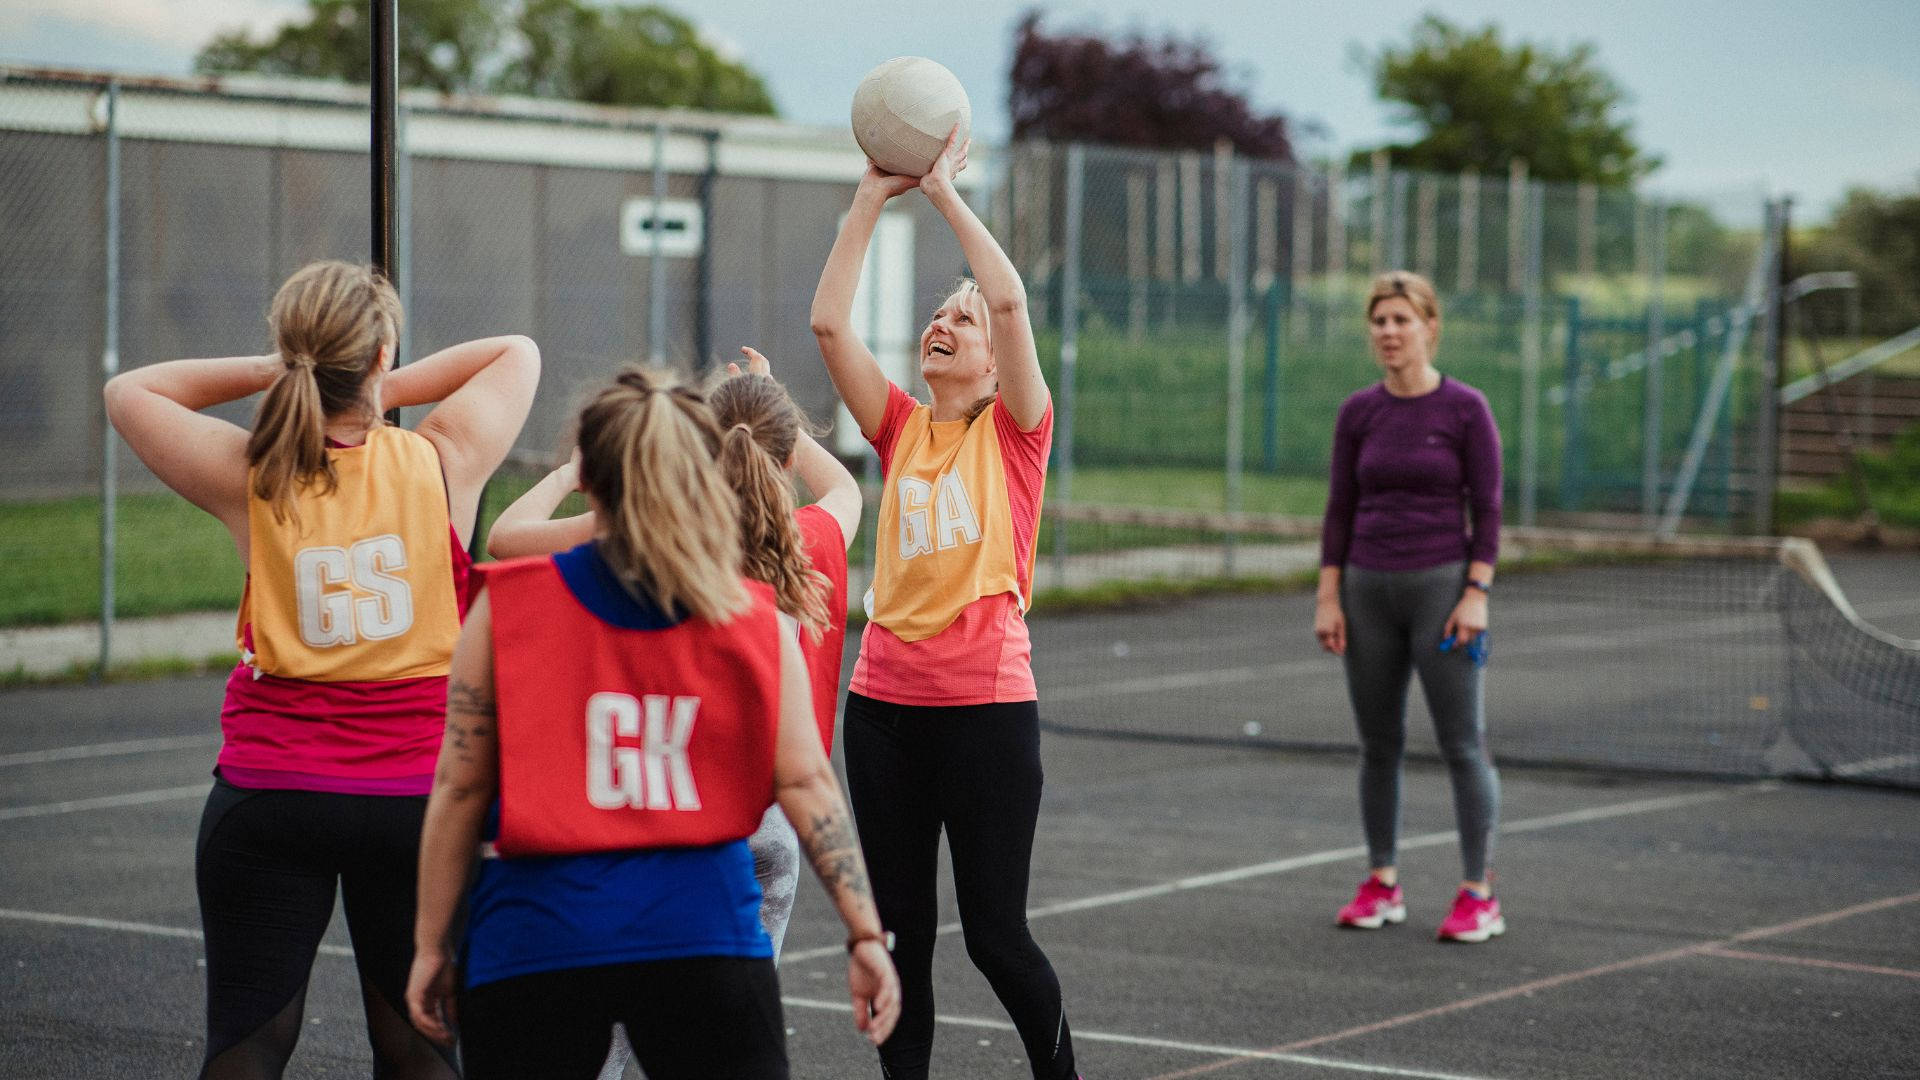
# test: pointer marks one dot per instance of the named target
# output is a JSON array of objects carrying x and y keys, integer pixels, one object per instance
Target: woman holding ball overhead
[
  {"x": 1407, "y": 552},
  {"x": 941, "y": 729}
]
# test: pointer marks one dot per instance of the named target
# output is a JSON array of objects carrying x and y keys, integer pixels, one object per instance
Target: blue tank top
[{"x": 531, "y": 915}]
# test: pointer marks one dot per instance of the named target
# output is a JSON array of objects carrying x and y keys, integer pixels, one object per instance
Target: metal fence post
[
  {"x": 656, "y": 293},
  {"x": 1766, "y": 442},
  {"x": 1276, "y": 300},
  {"x": 1069, "y": 352},
  {"x": 403, "y": 233},
  {"x": 1236, "y": 226},
  {"x": 1377, "y": 223},
  {"x": 1531, "y": 349},
  {"x": 1517, "y": 188},
  {"x": 109, "y": 366},
  {"x": 1572, "y": 448},
  {"x": 1651, "y": 422}
]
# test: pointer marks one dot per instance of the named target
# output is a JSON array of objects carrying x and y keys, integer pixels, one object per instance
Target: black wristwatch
[{"x": 1483, "y": 586}]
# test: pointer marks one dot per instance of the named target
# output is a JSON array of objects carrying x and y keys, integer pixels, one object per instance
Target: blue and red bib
[{"x": 624, "y": 730}]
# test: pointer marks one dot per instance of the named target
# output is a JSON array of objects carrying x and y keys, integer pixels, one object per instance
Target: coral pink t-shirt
[{"x": 985, "y": 655}]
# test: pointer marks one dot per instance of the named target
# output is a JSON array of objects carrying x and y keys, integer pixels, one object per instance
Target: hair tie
[{"x": 298, "y": 360}]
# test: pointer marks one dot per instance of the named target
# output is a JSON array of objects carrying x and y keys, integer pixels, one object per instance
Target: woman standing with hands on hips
[
  {"x": 942, "y": 727},
  {"x": 1408, "y": 545}
]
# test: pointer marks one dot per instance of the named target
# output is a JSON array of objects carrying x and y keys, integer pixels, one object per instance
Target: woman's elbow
[
  {"x": 827, "y": 325},
  {"x": 500, "y": 543},
  {"x": 1013, "y": 302},
  {"x": 118, "y": 396},
  {"x": 525, "y": 352}
]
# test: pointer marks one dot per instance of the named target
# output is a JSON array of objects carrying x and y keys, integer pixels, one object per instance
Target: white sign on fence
[{"x": 679, "y": 227}]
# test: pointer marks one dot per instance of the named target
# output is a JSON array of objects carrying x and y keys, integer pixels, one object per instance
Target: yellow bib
[
  {"x": 359, "y": 587},
  {"x": 946, "y": 527}
]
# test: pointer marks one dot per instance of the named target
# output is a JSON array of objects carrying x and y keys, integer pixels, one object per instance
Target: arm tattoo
[
  {"x": 835, "y": 853},
  {"x": 464, "y": 697},
  {"x": 477, "y": 705}
]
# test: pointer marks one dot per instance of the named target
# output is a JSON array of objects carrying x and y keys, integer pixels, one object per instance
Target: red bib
[{"x": 614, "y": 739}]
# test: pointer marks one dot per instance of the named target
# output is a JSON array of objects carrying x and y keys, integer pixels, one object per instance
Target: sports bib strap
[{"x": 613, "y": 738}]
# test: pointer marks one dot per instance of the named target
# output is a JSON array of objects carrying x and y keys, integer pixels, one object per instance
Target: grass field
[{"x": 173, "y": 557}]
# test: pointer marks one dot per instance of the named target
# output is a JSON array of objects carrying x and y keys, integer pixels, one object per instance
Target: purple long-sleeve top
[{"x": 1407, "y": 472}]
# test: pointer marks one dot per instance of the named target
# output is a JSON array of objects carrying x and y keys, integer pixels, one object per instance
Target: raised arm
[
  {"x": 833, "y": 488},
  {"x": 850, "y": 364},
  {"x": 157, "y": 410},
  {"x": 485, "y": 389},
  {"x": 528, "y": 527},
  {"x": 810, "y": 797},
  {"x": 1023, "y": 391},
  {"x": 464, "y": 783}
]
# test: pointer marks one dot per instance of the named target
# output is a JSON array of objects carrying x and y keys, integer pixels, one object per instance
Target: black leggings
[
  {"x": 689, "y": 1019},
  {"x": 974, "y": 769},
  {"x": 267, "y": 866}
]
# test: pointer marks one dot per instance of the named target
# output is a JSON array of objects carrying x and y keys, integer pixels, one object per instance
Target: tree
[
  {"x": 619, "y": 55},
  {"x": 1875, "y": 234},
  {"x": 626, "y": 55},
  {"x": 1134, "y": 92},
  {"x": 1479, "y": 103}
]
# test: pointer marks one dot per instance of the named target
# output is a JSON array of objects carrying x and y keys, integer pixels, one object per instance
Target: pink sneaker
[
  {"x": 1374, "y": 905},
  {"x": 1473, "y": 919}
]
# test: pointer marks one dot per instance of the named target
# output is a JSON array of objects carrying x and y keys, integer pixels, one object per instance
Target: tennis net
[{"x": 1732, "y": 657}]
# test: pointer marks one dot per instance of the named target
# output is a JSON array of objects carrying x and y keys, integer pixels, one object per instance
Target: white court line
[
  {"x": 1876, "y": 765},
  {"x": 1321, "y": 858},
  {"x": 106, "y": 802},
  {"x": 110, "y": 749},
  {"x": 177, "y": 932},
  {"x": 1080, "y": 1035},
  {"x": 88, "y": 922}
]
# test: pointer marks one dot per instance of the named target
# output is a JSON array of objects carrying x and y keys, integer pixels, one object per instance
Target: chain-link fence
[
  {"x": 1218, "y": 321},
  {"x": 1200, "y": 316}
]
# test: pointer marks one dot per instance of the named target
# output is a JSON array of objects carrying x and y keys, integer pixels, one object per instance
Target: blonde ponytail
[
  {"x": 672, "y": 531},
  {"x": 330, "y": 321},
  {"x": 763, "y": 426}
]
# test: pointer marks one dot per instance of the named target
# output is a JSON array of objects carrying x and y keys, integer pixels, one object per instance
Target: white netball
[{"x": 903, "y": 111}]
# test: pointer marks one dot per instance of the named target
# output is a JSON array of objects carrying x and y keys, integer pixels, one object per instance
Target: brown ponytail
[
  {"x": 762, "y": 426},
  {"x": 329, "y": 323},
  {"x": 672, "y": 531}
]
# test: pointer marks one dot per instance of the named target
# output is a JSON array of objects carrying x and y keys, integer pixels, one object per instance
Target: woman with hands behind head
[{"x": 354, "y": 537}]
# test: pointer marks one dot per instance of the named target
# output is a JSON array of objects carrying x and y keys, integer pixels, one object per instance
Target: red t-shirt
[
  {"x": 349, "y": 738},
  {"x": 826, "y": 549}
]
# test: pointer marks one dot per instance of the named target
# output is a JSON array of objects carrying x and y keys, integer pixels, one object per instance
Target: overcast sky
[{"x": 1795, "y": 98}]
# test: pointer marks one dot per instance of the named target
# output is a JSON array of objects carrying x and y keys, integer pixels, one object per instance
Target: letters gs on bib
[
  {"x": 376, "y": 606},
  {"x": 952, "y": 522}
]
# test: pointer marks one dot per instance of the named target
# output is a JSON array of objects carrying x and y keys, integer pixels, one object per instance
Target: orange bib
[
  {"x": 359, "y": 587},
  {"x": 946, "y": 527}
]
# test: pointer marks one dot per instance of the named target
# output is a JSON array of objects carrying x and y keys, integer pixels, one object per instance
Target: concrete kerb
[{"x": 55, "y": 650}]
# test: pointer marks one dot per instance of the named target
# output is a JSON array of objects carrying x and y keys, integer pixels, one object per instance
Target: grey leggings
[
  {"x": 1395, "y": 621},
  {"x": 776, "y": 865}
]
